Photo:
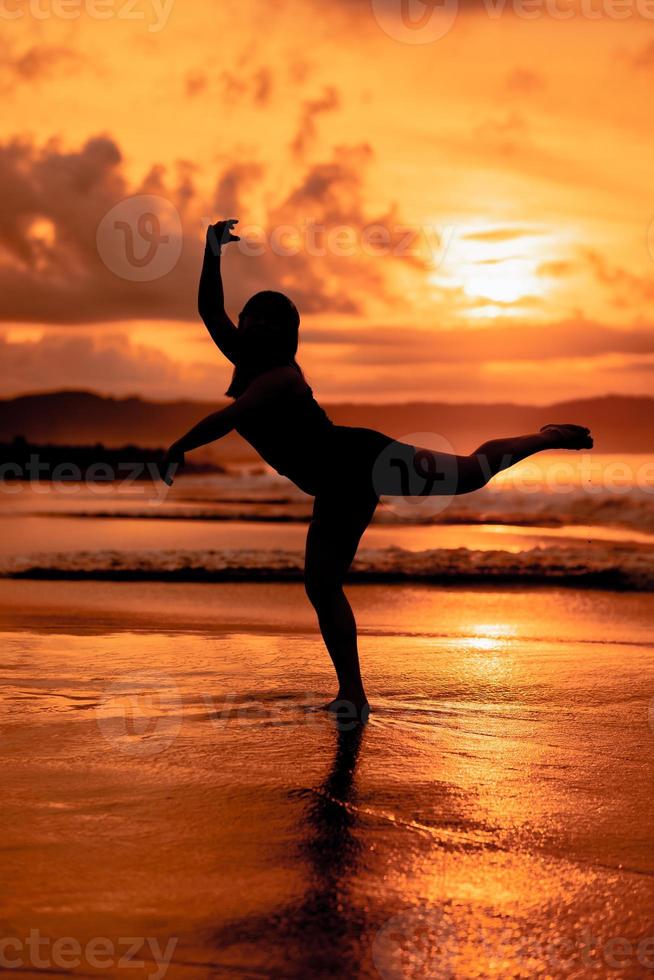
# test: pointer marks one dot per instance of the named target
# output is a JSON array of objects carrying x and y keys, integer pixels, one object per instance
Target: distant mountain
[{"x": 620, "y": 423}]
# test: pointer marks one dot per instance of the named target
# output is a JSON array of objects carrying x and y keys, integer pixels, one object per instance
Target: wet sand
[{"x": 169, "y": 779}]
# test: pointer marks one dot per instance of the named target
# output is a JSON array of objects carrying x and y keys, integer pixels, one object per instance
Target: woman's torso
[{"x": 292, "y": 433}]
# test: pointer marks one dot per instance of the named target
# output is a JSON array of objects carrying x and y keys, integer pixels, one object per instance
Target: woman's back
[{"x": 290, "y": 430}]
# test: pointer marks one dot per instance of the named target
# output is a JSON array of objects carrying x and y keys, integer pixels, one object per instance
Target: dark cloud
[
  {"x": 263, "y": 86},
  {"x": 243, "y": 85},
  {"x": 60, "y": 276},
  {"x": 311, "y": 110},
  {"x": 37, "y": 63},
  {"x": 110, "y": 364},
  {"x": 195, "y": 83},
  {"x": 52, "y": 269}
]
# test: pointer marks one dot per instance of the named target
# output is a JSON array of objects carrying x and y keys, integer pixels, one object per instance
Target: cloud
[
  {"x": 235, "y": 87},
  {"x": 62, "y": 278},
  {"x": 524, "y": 81},
  {"x": 37, "y": 63},
  {"x": 195, "y": 82},
  {"x": 263, "y": 86},
  {"x": 626, "y": 287},
  {"x": 55, "y": 269},
  {"x": 557, "y": 269},
  {"x": 506, "y": 136},
  {"x": 477, "y": 345},
  {"x": 311, "y": 110},
  {"x": 107, "y": 364},
  {"x": 645, "y": 57},
  {"x": 500, "y": 234}
]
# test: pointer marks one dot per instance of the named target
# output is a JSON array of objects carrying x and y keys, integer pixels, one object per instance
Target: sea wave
[
  {"x": 632, "y": 512},
  {"x": 602, "y": 565}
]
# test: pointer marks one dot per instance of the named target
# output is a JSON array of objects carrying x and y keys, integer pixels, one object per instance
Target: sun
[
  {"x": 493, "y": 266},
  {"x": 501, "y": 280}
]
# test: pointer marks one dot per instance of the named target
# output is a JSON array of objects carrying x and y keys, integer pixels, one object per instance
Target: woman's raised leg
[
  {"x": 499, "y": 454},
  {"x": 407, "y": 471}
]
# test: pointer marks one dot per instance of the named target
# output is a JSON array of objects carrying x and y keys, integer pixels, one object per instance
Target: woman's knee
[
  {"x": 321, "y": 589},
  {"x": 473, "y": 473}
]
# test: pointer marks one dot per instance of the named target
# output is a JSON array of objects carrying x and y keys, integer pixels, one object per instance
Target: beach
[
  {"x": 175, "y": 782},
  {"x": 178, "y": 804}
]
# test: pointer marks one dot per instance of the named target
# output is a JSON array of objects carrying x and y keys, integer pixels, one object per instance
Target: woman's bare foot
[
  {"x": 566, "y": 436},
  {"x": 349, "y": 709}
]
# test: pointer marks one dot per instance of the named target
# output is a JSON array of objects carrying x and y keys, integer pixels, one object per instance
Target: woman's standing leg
[{"x": 334, "y": 534}]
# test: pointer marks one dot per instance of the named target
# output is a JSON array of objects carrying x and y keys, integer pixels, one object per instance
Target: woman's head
[{"x": 268, "y": 328}]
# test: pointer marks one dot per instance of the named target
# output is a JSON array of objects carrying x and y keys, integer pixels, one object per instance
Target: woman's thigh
[
  {"x": 391, "y": 468},
  {"x": 339, "y": 520}
]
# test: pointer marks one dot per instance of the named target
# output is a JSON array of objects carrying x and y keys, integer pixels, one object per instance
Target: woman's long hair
[{"x": 271, "y": 339}]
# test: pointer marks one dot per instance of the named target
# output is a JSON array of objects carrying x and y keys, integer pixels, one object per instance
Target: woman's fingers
[
  {"x": 222, "y": 230},
  {"x": 230, "y": 224}
]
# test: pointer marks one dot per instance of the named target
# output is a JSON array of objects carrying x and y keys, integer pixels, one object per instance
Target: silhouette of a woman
[{"x": 275, "y": 411}]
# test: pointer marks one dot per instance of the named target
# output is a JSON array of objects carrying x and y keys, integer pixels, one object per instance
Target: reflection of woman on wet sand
[
  {"x": 318, "y": 931},
  {"x": 275, "y": 411}
]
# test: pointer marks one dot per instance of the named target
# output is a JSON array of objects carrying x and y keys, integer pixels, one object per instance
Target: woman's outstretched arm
[{"x": 211, "y": 298}]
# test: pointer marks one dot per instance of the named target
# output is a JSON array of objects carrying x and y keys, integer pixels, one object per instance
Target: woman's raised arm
[{"x": 211, "y": 298}]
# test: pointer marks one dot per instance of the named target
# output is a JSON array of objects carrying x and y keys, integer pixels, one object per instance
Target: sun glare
[{"x": 495, "y": 265}]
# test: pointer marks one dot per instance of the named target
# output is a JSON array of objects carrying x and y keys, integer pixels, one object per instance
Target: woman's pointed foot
[{"x": 566, "y": 436}]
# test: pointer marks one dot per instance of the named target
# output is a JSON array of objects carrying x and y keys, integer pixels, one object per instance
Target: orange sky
[{"x": 464, "y": 218}]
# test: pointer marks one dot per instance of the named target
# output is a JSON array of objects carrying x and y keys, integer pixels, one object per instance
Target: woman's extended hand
[
  {"x": 172, "y": 461},
  {"x": 221, "y": 234}
]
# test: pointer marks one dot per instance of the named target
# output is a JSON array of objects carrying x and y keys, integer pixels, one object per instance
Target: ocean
[{"x": 575, "y": 519}]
